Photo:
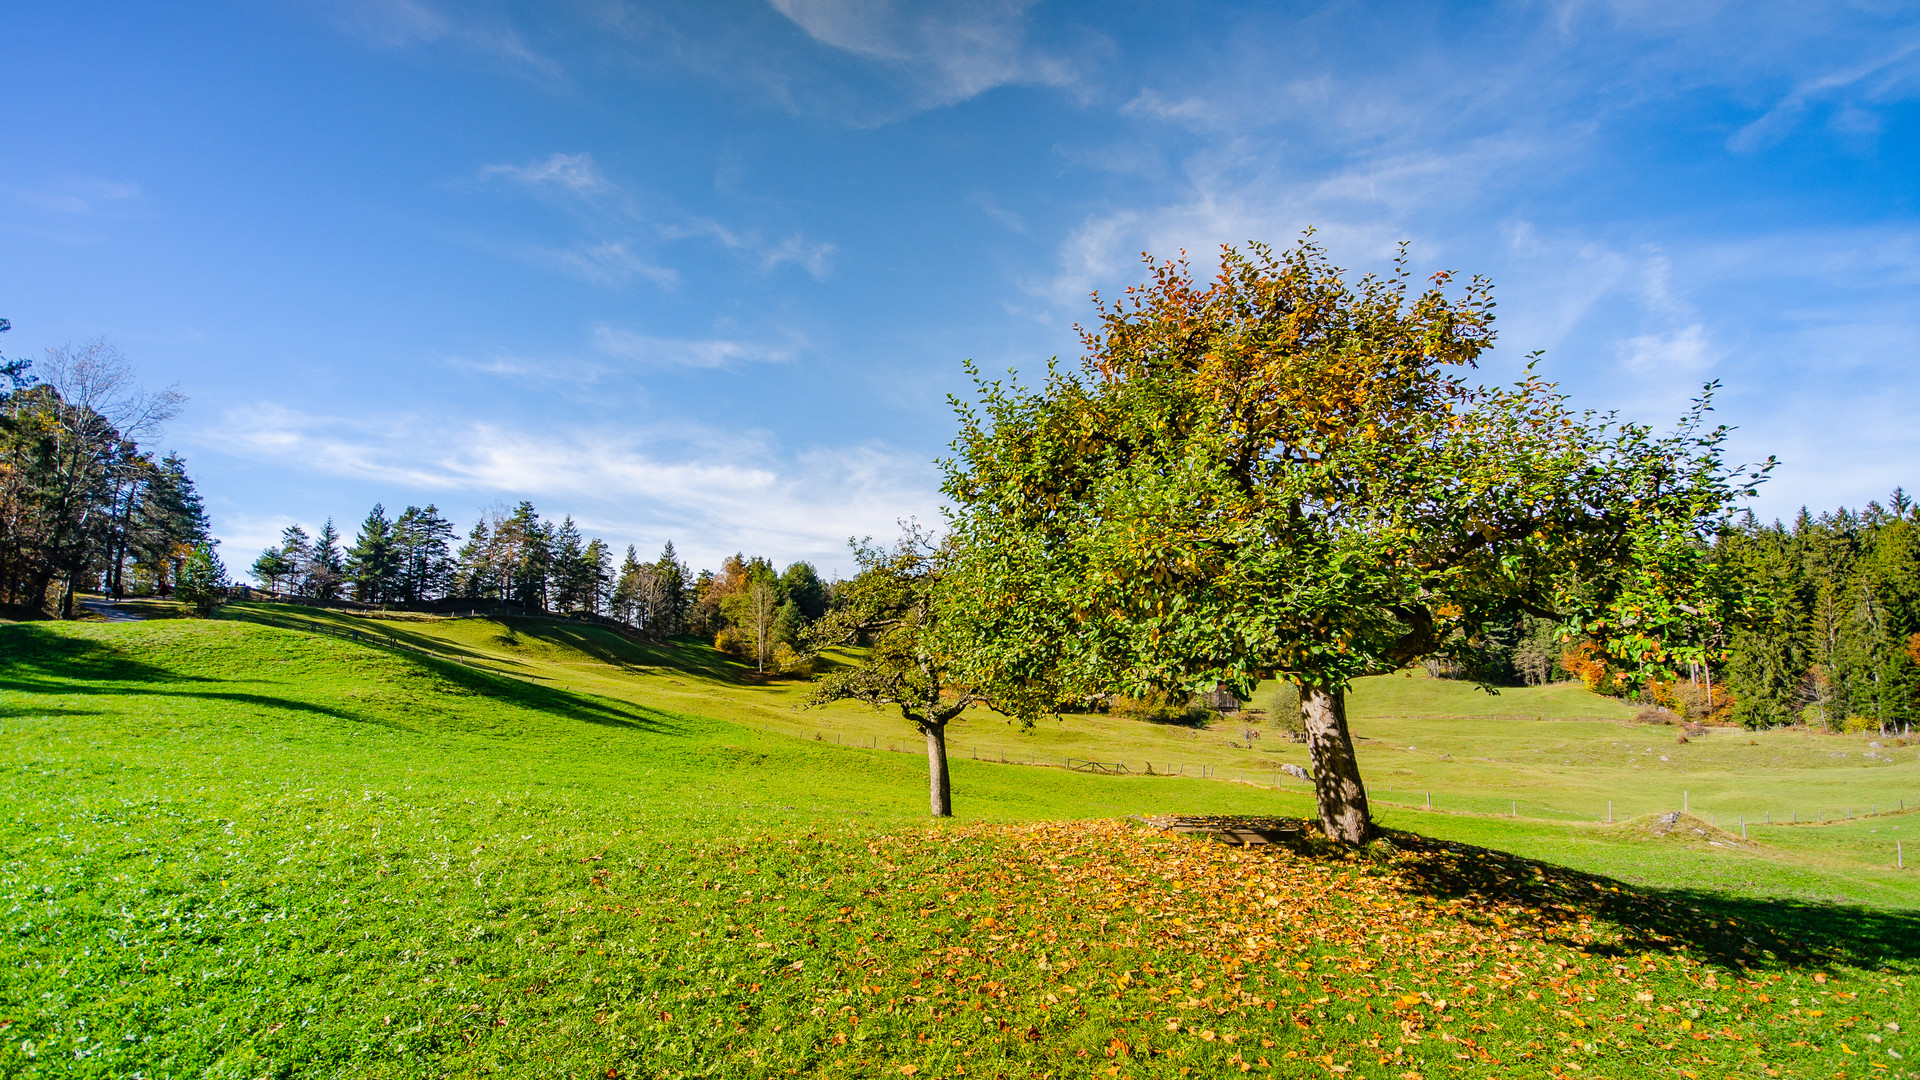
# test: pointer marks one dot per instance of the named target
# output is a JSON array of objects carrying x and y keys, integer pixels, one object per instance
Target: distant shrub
[
  {"x": 1161, "y": 709},
  {"x": 1656, "y": 715},
  {"x": 1283, "y": 707},
  {"x": 789, "y": 661}
]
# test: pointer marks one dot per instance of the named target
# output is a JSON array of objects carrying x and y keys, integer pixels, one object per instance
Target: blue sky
[{"x": 707, "y": 272}]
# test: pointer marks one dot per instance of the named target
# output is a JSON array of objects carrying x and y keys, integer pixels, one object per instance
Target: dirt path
[{"x": 106, "y": 610}]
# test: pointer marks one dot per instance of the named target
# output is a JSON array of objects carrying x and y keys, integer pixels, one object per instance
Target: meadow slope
[{"x": 234, "y": 849}]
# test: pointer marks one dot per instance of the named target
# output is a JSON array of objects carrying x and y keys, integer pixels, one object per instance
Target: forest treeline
[
  {"x": 514, "y": 556},
  {"x": 1830, "y": 636},
  {"x": 1831, "y": 639},
  {"x": 83, "y": 506}
]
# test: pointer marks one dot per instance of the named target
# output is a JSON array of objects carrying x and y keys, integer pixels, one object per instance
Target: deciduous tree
[
  {"x": 896, "y": 604},
  {"x": 1285, "y": 473}
]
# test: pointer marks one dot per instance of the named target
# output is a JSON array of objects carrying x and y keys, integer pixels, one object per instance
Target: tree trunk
[
  {"x": 940, "y": 788},
  {"x": 1336, "y": 775}
]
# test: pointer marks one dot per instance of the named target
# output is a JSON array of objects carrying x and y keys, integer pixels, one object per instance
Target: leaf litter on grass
[{"x": 1105, "y": 949}]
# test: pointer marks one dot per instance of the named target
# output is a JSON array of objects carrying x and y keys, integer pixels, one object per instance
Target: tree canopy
[{"x": 1285, "y": 473}]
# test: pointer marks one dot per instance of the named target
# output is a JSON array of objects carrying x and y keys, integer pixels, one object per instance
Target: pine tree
[
  {"x": 296, "y": 551},
  {"x": 203, "y": 580},
  {"x": 523, "y": 546},
  {"x": 372, "y": 562},
  {"x": 566, "y": 550},
  {"x": 595, "y": 571},
  {"x": 473, "y": 574},
  {"x": 672, "y": 594},
  {"x": 326, "y": 571},
  {"x": 626, "y": 590},
  {"x": 422, "y": 541}
]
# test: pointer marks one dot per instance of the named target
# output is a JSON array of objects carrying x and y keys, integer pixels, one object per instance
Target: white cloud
[
  {"x": 1685, "y": 351},
  {"x": 1188, "y": 111},
  {"x": 243, "y": 535},
  {"x": 554, "y": 369},
  {"x": 608, "y": 262},
  {"x": 712, "y": 353},
  {"x": 712, "y": 492},
  {"x": 576, "y": 173},
  {"x": 623, "y": 228},
  {"x": 991, "y": 207},
  {"x": 950, "y": 51},
  {"x": 814, "y": 258},
  {"x": 399, "y": 24},
  {"x": 1876, "y": 78}
]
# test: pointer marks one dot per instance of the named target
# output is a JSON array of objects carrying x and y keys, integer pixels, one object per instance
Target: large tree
[{"x": 1284, "y": 473}]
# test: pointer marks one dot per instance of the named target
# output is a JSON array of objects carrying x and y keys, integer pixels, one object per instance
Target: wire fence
[
  {"x": 1274, "y": 778},
  {"x": 1492, "y": 804}
]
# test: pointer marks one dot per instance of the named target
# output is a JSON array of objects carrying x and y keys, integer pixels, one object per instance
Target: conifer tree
[
  {"x": 372, "y": 562},
  {"x": 326, "y": 570}
]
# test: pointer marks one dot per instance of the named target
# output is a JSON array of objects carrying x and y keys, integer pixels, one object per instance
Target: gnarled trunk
[
  {"x": 940, "y": 789},
  {"x": 1336, "y": 775}
]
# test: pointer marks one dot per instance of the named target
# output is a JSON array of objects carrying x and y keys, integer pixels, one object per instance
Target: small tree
[
  {"x": 203, "y": 581},
  {"x": 896, "y": 604},
  {"x": 1284, "y": 474},
  {"x": 325, "y": 567},
  {"x": 272, "y": 566}
]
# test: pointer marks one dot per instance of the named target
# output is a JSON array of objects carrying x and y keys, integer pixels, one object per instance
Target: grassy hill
[{"x": 239, "y": 849}]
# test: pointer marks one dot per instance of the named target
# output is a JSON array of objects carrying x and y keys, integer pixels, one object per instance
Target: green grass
[{"x": 237, "y": 850}]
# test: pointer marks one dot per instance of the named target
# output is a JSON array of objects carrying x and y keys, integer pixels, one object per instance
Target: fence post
[
  {"x": 1429, "y": 800},
  {"x": 1686, "y": 802},
  {"x": 1516, "y": 808},
  {"x": 1609, "y": 811},
  {"x": 1899, "y": 856},
  {"x": 1743, "y": 826}
]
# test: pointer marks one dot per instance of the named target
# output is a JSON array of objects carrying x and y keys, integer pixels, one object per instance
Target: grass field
[{"x": 234, "y": 849}]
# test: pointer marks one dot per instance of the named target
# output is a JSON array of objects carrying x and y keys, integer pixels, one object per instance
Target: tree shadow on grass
[
  {"x": 551, "y": 700},
  {"x": 322, "y": 620},
  {"x": 1733, "y": 931},
  {"x": 36, "y": 659}
]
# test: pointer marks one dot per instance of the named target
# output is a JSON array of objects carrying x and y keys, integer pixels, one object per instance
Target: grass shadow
[
  {"x": 1733, "y": 931},
  {"x": 35, "y": 658},
  {"x": 322, "y": 620}
]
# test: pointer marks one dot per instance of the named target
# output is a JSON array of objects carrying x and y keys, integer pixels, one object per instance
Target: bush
[
  {"x": 1655, "y": 715},
  {"x": 1283, "y": 707},
  {"x": 1162, "y": 709},
  {"x": 788, "y": 661},
  {"x": 203, "y": 581}
]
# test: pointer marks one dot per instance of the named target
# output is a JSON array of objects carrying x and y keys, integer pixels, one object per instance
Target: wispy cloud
[
  {"x": 80, "y": 196},
  {"x": 624, "y": 227},
  {"x": 708, "y": 353},
  {"x": 396, "y": 24},
  {"x": 1685, "y": 351},
  {"x": 576, "y": 173},
  {"x": 991, "y": 207},
  {"x": 1895, "y": 71},
  {"x": 947, "y": 52}
]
